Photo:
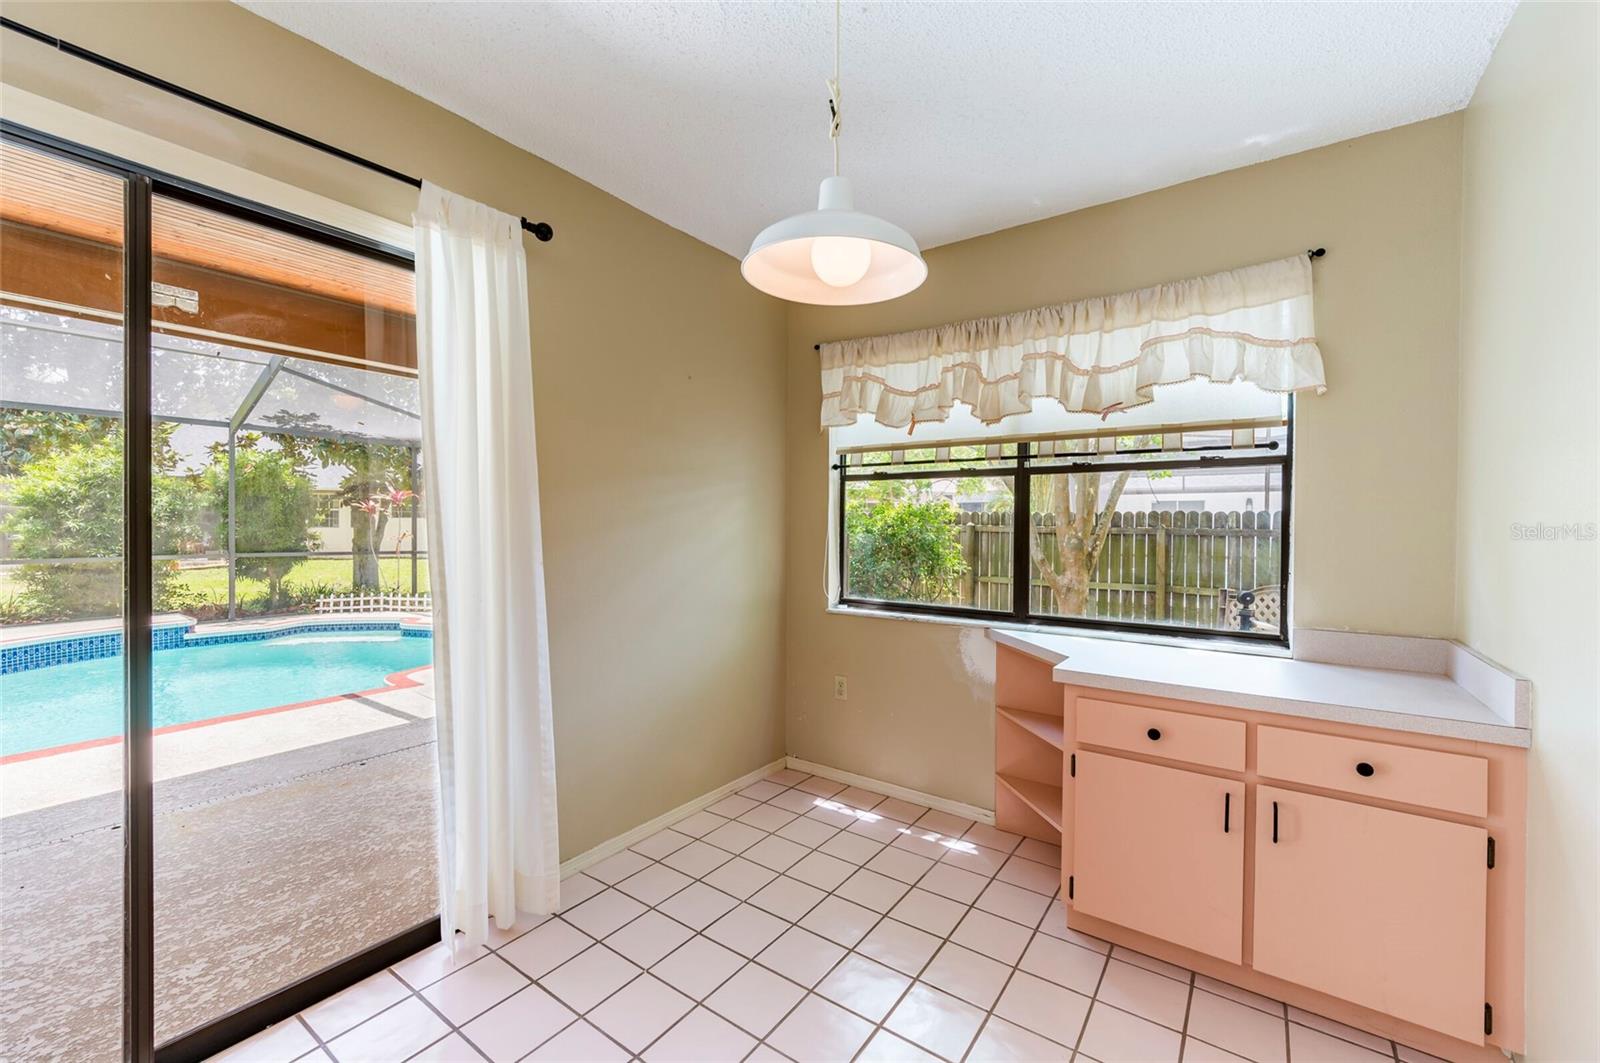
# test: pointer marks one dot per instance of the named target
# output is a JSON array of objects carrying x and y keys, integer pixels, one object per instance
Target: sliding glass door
[
  {"x": 238, "y": 814},
  {"x": 61, "y": 584}
]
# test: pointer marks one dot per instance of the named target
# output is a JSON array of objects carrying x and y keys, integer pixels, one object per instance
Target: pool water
[{"x": 81, "y": 701}]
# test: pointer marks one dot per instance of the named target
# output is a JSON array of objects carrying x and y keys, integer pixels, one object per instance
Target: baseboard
[
  {"x": 612, "y": 846},
  {"x": 889, "y": 789}
]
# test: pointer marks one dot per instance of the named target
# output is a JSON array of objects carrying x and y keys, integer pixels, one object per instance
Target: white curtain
[
  {"x": 1097, "y": 355},
  {"x": 496, "y": 745}
]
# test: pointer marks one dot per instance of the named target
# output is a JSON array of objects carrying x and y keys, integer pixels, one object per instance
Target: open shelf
[
  {"x": 1041, "y": 797},
  {"x": 1050, "y": 729}
]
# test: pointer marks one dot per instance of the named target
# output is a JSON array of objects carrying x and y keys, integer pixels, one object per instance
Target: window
[
  {"x": 328, "y": 507},
  {"x": 1169, "y": 529}
]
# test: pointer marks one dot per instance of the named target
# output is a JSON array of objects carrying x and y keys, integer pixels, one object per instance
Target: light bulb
[{"x": 840, "y": 261}]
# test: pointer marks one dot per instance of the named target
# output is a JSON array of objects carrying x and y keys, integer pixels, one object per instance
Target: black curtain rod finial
[
  {"x": 540, "y": 229},
  {"x": 1316, "y": 252}
]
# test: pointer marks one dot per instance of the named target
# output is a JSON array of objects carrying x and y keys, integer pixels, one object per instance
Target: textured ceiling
[{"x": 959, "y": 118}]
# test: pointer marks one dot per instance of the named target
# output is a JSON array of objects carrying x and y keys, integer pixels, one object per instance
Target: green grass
[{"x": 213, "y": 582}]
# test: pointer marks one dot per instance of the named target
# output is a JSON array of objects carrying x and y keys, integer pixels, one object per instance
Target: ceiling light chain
[{"x": 833, "y": 92}]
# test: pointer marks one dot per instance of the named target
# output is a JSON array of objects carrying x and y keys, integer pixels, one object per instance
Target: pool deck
[
  {"x": 42, "y": 779},
  {"x": 21, "y": 634}
]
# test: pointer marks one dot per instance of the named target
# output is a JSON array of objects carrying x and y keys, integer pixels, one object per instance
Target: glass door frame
[{"x": 141, "y": 185}]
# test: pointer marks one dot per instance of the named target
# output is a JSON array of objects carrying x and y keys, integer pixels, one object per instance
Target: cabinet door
[
  {"x": 1160, "y": 850},
  {"x": 1380, "y": 908}
]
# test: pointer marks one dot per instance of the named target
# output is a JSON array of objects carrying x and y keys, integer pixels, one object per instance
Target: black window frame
[{"x": 1020, "y": 469}]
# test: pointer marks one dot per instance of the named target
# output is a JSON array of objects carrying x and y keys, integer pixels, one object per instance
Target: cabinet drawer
[
  {"x": 1427, "y": 777},
  {"x": 1162, "y": 733}
]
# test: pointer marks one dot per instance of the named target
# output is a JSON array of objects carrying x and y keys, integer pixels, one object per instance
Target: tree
[
  {"x": 1082, "y": 523},
  {"x": 274, "y": 508},
  {"x": 379, "y": 474},
  {"x": 903, "y": 545},
  {"x": 68, "y": 504}
]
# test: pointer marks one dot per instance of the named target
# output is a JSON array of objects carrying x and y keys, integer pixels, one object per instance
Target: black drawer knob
[
  {"x": 1365, "y": 770},
  {"x": 1154, "y": 733}
]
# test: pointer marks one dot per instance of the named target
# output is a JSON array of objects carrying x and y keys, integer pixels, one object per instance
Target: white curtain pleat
[
  {"x": 496, "y": 743},
  {"x": 1098, "y": 355}
]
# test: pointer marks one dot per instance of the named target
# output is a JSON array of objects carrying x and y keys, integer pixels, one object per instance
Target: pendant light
[{"x": 834, "y": 255}]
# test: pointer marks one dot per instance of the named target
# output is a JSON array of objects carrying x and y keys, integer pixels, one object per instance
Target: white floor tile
[
  {"x": 615, "y": 868},
  {"x": 580, "y": 1043},
  {"x": 1040, "y": 878},
  {"x": 872, "y": 890},
  {"x": 735, "y": 837},
  {"x": 698, "y": 859},
  {"x": 897, "y": 863},
  {"x": 992, "y": 838},
  {"x": 865, "y": 986},
  {"x": 801, "y": 956},
  {"x": 698, "y": 906},
  {"x": 733, "y": 806},
  {"x": 840, "y": 921},
  {"x": 755, "y": 999},
  {"x": 763, "y": 790},
  {"x": 997, "y": 938},
  {"x": 474, "y": 989},
  {"x": 698, "y": 967},
  {"x": 1237, "y": 1027},
  {"x": 788, "y": 777},
  {"x": 821, "y": 870},
  {"x": 1308, "y": 1044},
  {"x": 649, "y": 938},
  {"x": 1041, "y": 852},
  {"x": 776, "y": 853},
  {"x": 640, "y": 1012},
  {"x": 904, "y": 811},
  {"x": 517, "y": 1025},
  {"x": 947, "y": 880},
  {"x": 1043, "y": 1007},
  {"x": 699, "y": 824},
  {"x": 575, "y": 889},
  {"x": 360, "y": 1002},
  {"x": 936, "y": 1021},
  {"x": 746, "y": 930},
  {"x": 905, "y": 948},
  {"x": 944, "y": 823},
  {"x": 1243, "y": 996},
  {"x": 928, "y": 911},
  {"x": 287, "y": 1040},
  {"x": 806, "y": 831},
  {"x": 786, "y": 898},
  {"x": 820, "y": 786},
  {"x": 1014, "y": 903},
  {"x": 740, "y": 878},
  {"x": 1144, "y": 993},
  {"x": 859, "y": 799},
  {"x": 1112, "y": 1034},
  {"x": 971, "y": 976},
  {"x": 654, "y": 884},
  {"x": 662, "y": 844},
  {"x": 852, "y": 848},
  {"x": 402, "y": 1031},
  {"x": 544, "y": 948},
  {"x": 1340, "y": 1030},
  {"x": 604, "y": 912},
  {"x": 1063, "y": 963},
  {"x": 1003, "y": 1042},
  {"x": 702, "y": 1036},
  {"x": 922, "y": 843},
  {"x": 819, "y": 1031},
  {"x": 797, "y": 801},
  {"x": 767, "y": 817},
  {"x": 451, "y": 1049},
  {"x": 886, "y": 1047},
  {"x": 590, "y": 977}
]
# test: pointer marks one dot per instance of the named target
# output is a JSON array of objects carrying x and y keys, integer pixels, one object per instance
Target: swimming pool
[{"x": 81, "y": 701}]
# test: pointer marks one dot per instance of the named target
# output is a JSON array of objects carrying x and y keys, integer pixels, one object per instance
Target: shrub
[
  {"x": 68, "y": 503},
  {"x": 904, "y": 550}
]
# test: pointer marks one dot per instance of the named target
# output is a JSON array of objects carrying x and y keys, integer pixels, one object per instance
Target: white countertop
[{"x": 1425, "y": 703}]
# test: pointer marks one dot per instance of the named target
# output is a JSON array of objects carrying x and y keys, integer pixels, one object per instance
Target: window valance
[{"x": 1098, "y": 355}]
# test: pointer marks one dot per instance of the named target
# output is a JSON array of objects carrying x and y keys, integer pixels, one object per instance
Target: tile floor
[{"x": 800, "y": 919}]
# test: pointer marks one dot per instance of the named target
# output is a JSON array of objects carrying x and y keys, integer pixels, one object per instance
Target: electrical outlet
[{"x": 840, "y": 690}]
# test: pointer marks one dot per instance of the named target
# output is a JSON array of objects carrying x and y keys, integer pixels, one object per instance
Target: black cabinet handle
[
  {"x": 1274, "y": 823},
  {"x": 1365, "y": 770},
  {"x": 1154, "y": 734},
  {"x": 1227, "y": 802}
]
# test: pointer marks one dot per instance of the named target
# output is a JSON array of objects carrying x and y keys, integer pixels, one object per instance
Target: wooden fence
[{"x": 1159, "y": 567}]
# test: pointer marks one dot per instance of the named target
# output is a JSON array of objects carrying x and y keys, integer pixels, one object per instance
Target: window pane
[
  {"x": 273, "y": 752},
  {"x": 1197, "y": 548},
  {"x": 61, "y": 533},
  {"x": 934, "y": 542}
]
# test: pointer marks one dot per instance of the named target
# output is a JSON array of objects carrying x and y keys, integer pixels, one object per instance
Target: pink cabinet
[
  {"x": 1382, "y": 908},
  {"x": 1159, "y": 850}
]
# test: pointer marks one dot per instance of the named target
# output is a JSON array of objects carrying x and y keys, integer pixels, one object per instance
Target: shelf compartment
[
  {"x": 1049, "y": 729},
  {"x": 1042, "y": 798}
]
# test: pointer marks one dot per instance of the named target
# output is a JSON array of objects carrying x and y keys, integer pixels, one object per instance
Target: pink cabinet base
[{"x": 1025, "y": 685}]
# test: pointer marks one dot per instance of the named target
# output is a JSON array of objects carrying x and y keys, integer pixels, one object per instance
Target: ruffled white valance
[{"x": 1098, "y": 355}]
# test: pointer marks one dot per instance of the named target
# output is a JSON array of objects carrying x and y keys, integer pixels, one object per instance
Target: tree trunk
[{"x": 366, "y": 535}]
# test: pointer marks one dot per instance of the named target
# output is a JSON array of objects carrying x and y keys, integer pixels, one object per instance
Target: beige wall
[
  {"x": 1528, "y": 451},
  {"x": 662, "y": 500},
  {"x": 1374, "y": 488}
]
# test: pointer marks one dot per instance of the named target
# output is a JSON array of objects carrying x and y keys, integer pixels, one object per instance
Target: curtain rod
[
  {"x": 1313, "y": 254},
  {"x": 539, "y": 229}
]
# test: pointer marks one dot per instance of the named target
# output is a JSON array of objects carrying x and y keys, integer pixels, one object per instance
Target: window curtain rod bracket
[
  {"x": 1311, "y": 253},
  {"x": 541, "y": 230}
]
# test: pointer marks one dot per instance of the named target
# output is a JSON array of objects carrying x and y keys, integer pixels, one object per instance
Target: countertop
[{"x": 1419, "y": 702}]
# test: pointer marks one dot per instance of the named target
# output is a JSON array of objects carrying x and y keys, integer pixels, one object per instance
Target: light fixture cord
[{"x": 833, "y": 91}]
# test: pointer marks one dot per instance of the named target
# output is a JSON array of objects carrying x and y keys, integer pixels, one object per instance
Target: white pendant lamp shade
[{"x": 834, "y": 255}]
